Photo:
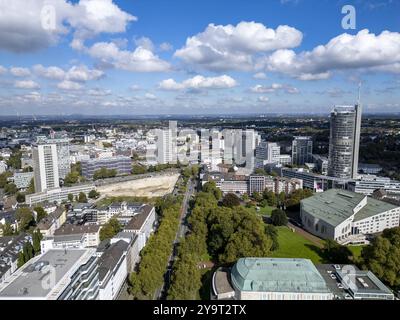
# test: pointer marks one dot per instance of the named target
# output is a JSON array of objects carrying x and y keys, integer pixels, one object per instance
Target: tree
[
  {"x": 272, "y": 233},
  {"x": 260, "y": 171},
  {"x": 138, "y": 169},
  {"x": 27, "y": 169},
  {"x": 186, "y": 279},
  {"x": 104, "y": 173},
  {"x": 77, "y": 167},
  {"x": 93, "y": 194},
  {"x": 15, "y": 159},
  {"x": 270, "y": 197},
  {"x": 72, "y": 178},
  {"x": 10, "y": 189},
  {"x": 40, "y": 213},
  {"x": 336, "y": 253},
  {"x": 70, "y": 197},
  {"x": 36, "y": 238},
  {"x": 31, "y": 187},
  {"x": 382, "y": 257},
  {"x": 8, "y": 230},
  {"x": 82, "y": 198},
  {"x": 231, "y": 200},
  {"x": 21, "y": 260},
  {"x": 110, "y": 229},
  {"x": 257, "y": 196},
  {"x": 20, "y": 197},
  {"x": 279, "y": 217},
  {"x": 25, "y": 218},
  {"x": 293, "y": 200},
  {"x": 4, "y": 178},
  {"x": 282, "y": 197},
  {"x": 211, "y": 187},
  {"x": 28, "y": 252}
]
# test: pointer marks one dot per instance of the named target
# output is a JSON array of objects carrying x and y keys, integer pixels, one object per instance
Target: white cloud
[
  {"x": 69, "y": 85},
  {"x": 263, "y": 99},
  {"x": 55, "y": 73},
  {"x": 364, "y": 51},
  {"x": 199, "y": 82},
  {"x": 26, "y": 84},
  {"x": 165, "y": 46},
  {"x": 150, "y": 96},
  {"x": 232, "y": 47},
  {"x": 260, "y": 75},
  {"x": 83, "y": 73},
  {"x": 139, "y": 60},
  {"x": 145, "y": 43},
  {"x": 20, "y": 72},
  {"x": 3, "y": 70},
  {"x": 275, "y": 87},
  {"x": 79, "y": 73},
  {"x": 135, "y": 87},
  {"x": 21, "y": 28},
  {"x": 96, "y": 92}
]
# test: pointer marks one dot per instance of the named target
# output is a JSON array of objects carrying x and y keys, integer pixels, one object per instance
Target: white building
[
  {"x": 142, "y": 224},
  {"x": 75, "y": 277},
  {"x": 267, "y": 153},
  {"x": 113, "y": 270},
  {"x": 166, "y": 144},
  {"x": 63, "y": 154},
  {"x": 367, "y": 184},
  {"x": 58, "y": 194},
  {"x": 22, "y": 180},
  {"x": 46, "y": 167},
  {"x": 347, "y": 217}
]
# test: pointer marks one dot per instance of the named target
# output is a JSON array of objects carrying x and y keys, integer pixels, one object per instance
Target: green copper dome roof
[{"x": 277, "y": 275}]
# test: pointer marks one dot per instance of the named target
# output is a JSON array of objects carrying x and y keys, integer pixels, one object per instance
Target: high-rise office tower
[
  {"x": 302, "y": 150},
  {"x": 344, "y": 141},
  {"x": 45, "y": 161}
]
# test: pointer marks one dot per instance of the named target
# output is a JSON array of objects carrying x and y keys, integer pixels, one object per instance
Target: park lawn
[
  {"x": 356, "y": 250},
  {"x": 293, "y": 245},
  {"x": 264, "y": 211}
]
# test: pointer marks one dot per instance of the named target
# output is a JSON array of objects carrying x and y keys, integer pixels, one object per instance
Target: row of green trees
[
  {"x": 29, "y": 250},
  {"x": 290, "y": 201},
  {"x": 104, "y": 173},
  {"x": 225, "y": 233},
  {"x": 154, "y": 257}
]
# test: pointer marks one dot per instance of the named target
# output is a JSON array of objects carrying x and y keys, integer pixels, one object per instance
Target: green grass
[
  {"x": 264, "y": 211},
  {"x": 293, "y": 245},
  {"x": 356, "y": 250}
]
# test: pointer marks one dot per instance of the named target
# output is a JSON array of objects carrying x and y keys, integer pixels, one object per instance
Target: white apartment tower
[
  {"x": 166, "y": 144},
  {"x": 63, "y": 154},
  {"x": 45, "y": 167}
]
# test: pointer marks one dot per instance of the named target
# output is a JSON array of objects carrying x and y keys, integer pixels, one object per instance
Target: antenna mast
[{"x": 359, "y": 93}]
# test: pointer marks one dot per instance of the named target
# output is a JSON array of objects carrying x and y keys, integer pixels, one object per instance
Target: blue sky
[{"x": 196, "y": 57}]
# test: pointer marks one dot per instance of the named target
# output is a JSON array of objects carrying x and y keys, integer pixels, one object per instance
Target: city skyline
[{"x": 128, "y": 58}]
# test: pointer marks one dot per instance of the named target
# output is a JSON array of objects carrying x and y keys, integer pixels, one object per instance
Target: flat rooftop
[
  {"x": 221, "y": 281},
  {"x": 336, "y": 205},
  {"x": 277, "y": 275},
  {"x": 32, "y": 280}
]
